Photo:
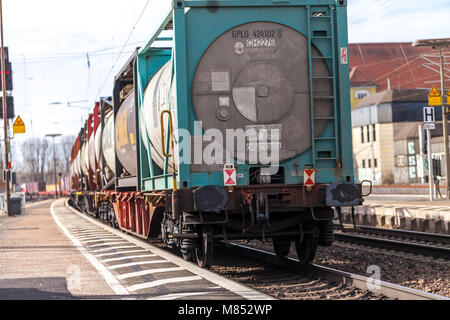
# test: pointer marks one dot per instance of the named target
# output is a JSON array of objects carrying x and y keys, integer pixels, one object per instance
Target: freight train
[{"x": 232, "y": 123}]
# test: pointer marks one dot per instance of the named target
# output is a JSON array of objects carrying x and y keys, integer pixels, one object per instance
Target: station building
[
  {"x": 390, "y": 83},
  {"x": 386, "y": 144}
]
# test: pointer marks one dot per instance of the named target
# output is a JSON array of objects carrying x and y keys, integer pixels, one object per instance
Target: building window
[
  {"x": 374, "y": 133},
  {"x": 369, "y": 163},
  {"x": 401, "y": 161},
  {"x": 362, "y": 134},
  {"x": 364, "y": 164},
  {"x": 368, "y": 133},
  {"x": 361, "y": 94},
  {"x": 375, "y": 163},
  {"x": 411, "y": 148}
]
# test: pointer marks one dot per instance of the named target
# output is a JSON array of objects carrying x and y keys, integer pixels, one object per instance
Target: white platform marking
[
  {"x": 131, "y": 264},
  {"x": 107, "y": 275},
  {"x": 237, "y": 288},
  {"x": 129, "y": 257},
  {"x": 113, "y": 248},
  {"x": 87, "y": 231},
  {"x": 91, "y": 233},
  {"x": 100, "y": 239},
  {"x": 94, "y": 236},
  {"x": 161, "y": 282},
  {"x": 146, "y": 272},
  {"x": 107, "y": 243},
  {"x": 174, "y": 296},
  {"x": 120, "y": 252}
]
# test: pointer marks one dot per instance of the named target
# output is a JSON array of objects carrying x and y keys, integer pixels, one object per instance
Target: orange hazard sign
[
  {"x": 434, "y": 97},
  {"x": 19, "y": 126}
]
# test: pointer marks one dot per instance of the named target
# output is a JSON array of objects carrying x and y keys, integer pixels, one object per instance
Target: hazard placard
[
  {"x": 344, "y": 55},
  {"x": 19, "y": 126},
  {"x": 309, "y": 177},
  {"x": 434, "y": 97},
  {"x": 229, "y": 175}
]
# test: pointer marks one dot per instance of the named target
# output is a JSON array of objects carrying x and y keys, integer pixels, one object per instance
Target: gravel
[{"x": 415, "y": 271}]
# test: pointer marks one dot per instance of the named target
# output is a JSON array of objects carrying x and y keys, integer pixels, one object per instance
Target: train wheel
[
  {"x": 204, "y": 250},
  {"x": 326, "y": 237},
  {"x": 281, "y": 246},
  {"x": 188, "y": 254},
  {"x": 306, "y": 249}
]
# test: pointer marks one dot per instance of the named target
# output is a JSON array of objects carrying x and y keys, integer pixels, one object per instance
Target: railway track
[
  {"x": 428, "y": 244},
  {"x": 288, "y": 279}
]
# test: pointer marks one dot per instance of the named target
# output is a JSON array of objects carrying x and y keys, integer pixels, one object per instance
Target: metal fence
[{"x": 3, "y": 200}]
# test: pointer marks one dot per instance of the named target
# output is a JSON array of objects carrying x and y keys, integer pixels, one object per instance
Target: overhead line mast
[{"x": 5, "y": 113}]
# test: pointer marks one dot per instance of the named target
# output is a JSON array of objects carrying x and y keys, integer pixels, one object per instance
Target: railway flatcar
[{"x": 233, "y": 122}]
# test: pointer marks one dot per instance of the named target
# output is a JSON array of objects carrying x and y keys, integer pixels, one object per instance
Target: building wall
[
  {"x": 408, "y": 161},
  {"x": 386, "y": 133},
  {"x": 356, "y": 91},
  {"x": 373, "y": 155}
]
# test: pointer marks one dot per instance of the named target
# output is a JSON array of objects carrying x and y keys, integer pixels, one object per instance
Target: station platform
[
  {"x": 403, "y": 211},
  {"x": 53, "y": 252}
]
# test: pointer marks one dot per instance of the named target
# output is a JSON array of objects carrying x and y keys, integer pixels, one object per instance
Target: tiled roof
[
  {"x": 388, "y": 96},
  {"x": 359, "y": 78},
  {"x": 399, "y": 62}
]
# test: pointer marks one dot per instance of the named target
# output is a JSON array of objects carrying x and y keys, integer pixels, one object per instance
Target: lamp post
[
  {"x": 54, "y": 135},
  {"x": 440, "y": 44}
]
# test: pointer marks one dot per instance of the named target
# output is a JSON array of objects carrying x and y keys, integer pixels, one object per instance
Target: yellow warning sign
[
  {"x": 19, "y": 126},
  {"x": 448, "y": 97},
  {"x": 434, "y": 97}
]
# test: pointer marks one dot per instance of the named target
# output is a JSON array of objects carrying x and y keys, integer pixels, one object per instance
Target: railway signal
[
  {"x": 8, "y": 74},
  {"x": 3, "y": 58},
  {"x": 9, "y": 107}
]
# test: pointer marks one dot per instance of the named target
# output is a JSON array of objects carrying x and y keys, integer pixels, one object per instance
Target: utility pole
[
  {"x": 54, "y": 159},
  {"x": 441, "y": 44},
  {"x": 5, "y": 114},
  {"x": 445, "y": 125}
]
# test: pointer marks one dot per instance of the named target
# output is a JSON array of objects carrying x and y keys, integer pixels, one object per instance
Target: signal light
[
  {"x": 8, "y": 73},
  {"x": 9, "y": 107}
]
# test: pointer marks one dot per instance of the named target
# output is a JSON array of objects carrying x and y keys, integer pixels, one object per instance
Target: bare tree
[
  {"x": 36, "y": 155},
  {"x": 38, "y": 163},
  {"x": 64, "y": 151}
]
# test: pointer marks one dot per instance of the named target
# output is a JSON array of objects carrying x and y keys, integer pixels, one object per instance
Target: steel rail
[
  {"x": 400, "y": 233},
  {"x": 379, "y": 287},
  {"x": 392, "y": 244}
]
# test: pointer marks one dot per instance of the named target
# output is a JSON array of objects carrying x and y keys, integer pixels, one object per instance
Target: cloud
[{"x": 397, "y": 21}]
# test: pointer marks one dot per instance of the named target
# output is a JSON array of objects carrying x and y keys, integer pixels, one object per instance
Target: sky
[{"x": 65, "y": 54}]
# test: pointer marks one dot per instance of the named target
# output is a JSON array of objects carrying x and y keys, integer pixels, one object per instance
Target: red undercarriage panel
[{"x": 134, "y": 216}]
